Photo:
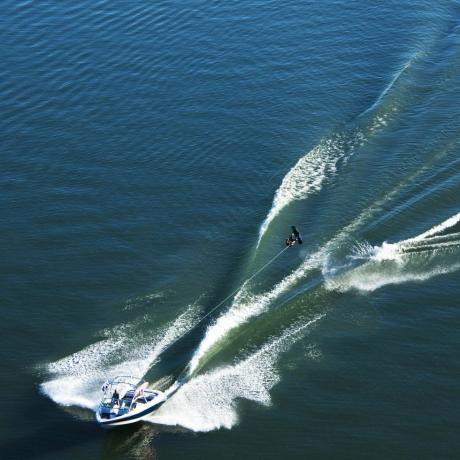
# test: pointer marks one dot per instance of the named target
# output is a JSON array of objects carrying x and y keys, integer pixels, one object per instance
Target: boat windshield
[{"x": 119, "y": 388}]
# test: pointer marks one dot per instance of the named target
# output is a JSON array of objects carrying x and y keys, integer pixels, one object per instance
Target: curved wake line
[
  {"x": 370, "y": 281},
  {"x": 306, "y": 177},
  {"x": 391, "y": 251},
  {"x": 420, "y": 258},
  {"x": 390, "y": 85},
  {"x": 208, "y": 402},
  {"x": 320, "y": 164},
  {"x": 450, "y": 222},
  {"x": 245, "y": 307}
]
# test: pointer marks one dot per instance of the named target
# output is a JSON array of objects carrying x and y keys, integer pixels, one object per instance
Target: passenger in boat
[{"x": 115, "y": 397}]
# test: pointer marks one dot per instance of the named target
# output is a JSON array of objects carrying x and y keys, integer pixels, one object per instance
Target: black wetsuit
[{"x": 296, "y": 235}]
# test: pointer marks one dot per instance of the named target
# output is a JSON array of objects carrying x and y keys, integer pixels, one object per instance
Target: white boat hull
[{"x": 109, "y": 420}]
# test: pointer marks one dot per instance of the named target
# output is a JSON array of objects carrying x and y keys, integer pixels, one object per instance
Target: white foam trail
[
  {"x": 244, "y": 307},
  {"x": 306, "y": 177},
  {"x": 450, "y": 222},
  {"x": 208, "y": 401},
  {"x": 387, "y": 251},
  {"x": 393, "y": 251},
  {"x": 415, "y": 259},
  {"x": 320, "y": 165},
  {"x": 78, "y": 377},
  {"x": 372, "y": 281}
]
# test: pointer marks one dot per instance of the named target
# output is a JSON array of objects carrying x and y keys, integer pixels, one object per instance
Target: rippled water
[{"x": 154, "y": 157}]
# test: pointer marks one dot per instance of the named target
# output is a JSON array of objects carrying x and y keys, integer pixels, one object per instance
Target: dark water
[{"x": 154, "y": 156}]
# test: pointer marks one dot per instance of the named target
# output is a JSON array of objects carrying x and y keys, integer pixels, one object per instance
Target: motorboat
[{"x": 127, "y": 399}]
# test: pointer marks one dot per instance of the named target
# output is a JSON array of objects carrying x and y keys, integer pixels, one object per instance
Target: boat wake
[
  {"x": 203, "y": 403},
  {"x": 244, "y": 307},
  {"x": 76, "y": 380},
  {"x": 207, "y": 401},
  {"x": 309, "y": 173},
  {"x": 321, "y": 164},
  {"x": 431, "y": 253}
]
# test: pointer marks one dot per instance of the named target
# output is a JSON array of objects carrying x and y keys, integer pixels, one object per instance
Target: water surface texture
[{"x": 154, "y": 156}]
